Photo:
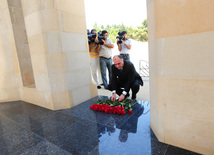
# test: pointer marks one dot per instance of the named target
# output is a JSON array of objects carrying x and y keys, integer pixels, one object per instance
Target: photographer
[
  {"x": 125, "y": 46},
  {"x": 105, "y": 52},
  {"x": 94, "y": 57}
]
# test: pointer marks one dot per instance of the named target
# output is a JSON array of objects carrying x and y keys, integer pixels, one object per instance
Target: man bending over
[{"x": 124, "y": 78}]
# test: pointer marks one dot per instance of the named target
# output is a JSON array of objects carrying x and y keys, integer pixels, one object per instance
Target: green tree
[
  {"x": 140, "y": 33},
  {"x": 95, "y": 26},
  {"x": 144, "y": 23}
]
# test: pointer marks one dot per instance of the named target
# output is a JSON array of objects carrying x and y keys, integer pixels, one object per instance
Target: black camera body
[
  {"x": 120, "y": 37},
  {"x": 91, "y": 37},
  {"x": 100, "y": 37}
]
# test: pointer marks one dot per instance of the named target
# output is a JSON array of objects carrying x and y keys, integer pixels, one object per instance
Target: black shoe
[
  {"x": 133, "y": 96},
  {"x": 102, "y": 84},
  {"x": 98, "y": 87}
]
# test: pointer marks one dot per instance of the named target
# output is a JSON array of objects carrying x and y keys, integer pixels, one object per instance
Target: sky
[{"x": 109, "y": 12}]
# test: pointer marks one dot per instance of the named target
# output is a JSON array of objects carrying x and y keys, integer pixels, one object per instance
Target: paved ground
[
  {"x": 143, "y": 94},
  {"x": 26, "y": 129}
]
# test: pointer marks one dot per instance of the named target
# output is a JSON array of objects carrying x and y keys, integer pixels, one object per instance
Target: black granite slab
[
  {"x": 83, "y": 140},
  {"x": 15, "y": 138},
  {"x": 52, "y": 125},
  {"x": 29, "y": 129},
  {"x": 179, "y": 151},
  {"x": 45, "y": 148}
]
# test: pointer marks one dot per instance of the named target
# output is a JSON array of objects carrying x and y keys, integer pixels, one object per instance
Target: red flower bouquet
[{"x": 116, "y": 107}]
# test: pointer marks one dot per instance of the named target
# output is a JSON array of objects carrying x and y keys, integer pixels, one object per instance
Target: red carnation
[
  {"x": 108, "y": 106},
  {"x": 123, "y": 112}
]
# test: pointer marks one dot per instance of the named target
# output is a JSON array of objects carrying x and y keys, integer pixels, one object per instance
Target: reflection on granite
[{"x": 29, "y": 129}]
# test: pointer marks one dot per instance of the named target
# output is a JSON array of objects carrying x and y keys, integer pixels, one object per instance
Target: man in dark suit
[{"x": 124, "y": 78}]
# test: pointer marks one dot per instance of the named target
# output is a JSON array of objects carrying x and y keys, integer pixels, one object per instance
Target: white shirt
[
  {"x": 124, "y": 49},
  {"x": 105, "y": 51}
]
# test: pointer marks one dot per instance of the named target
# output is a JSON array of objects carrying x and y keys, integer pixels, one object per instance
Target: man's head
[
  {"x": 118, "y": 61},
  {"x": 123, "y": 136},
  {"x": 125, "y": 34},
  {"x": 93, "y": 31},
  {"x": 104, "y": 32}
]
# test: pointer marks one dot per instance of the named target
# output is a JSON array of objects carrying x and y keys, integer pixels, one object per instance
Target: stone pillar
[
  {"x": 9, "y": 67},
  {"x": 44, "y": 53},
  {"x": 181, "y": 54},
  {"x": 56, "y": 31},
  {"x": 21, "y": 43}
]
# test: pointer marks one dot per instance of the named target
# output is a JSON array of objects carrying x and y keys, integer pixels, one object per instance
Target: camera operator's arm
[
  {"x": 119, "y": 47},
  {"x": 108, "y": 45},
  {"x": 97, "y": 48},
  {"x": 128, "y": 46}
]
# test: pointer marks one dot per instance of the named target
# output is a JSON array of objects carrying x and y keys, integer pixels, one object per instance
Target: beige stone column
[
  {"x": 21, "y": 43},
  {"x": 9, "y": 67},
  {"x": 56, "y": 32},
  {"x": 181, "y": 54}
]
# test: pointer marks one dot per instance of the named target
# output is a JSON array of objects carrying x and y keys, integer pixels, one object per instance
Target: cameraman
[
  {"x": 125, "y": 47},
  {"x": 95, "y": 60},
  {"x": 105, "y": 53}
]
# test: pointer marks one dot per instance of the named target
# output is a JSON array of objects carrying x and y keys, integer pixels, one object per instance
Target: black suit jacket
[{"x": 128, "y": 76}]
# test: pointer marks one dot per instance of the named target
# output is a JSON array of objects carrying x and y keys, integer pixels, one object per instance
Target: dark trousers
[{"x": 120, "y": 88}]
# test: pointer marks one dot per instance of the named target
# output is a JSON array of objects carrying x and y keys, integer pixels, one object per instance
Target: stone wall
[
  {"x": 181, "y": 54},
  {"x": 55, "y": 34},
  {"x": 9, "y": 66}
]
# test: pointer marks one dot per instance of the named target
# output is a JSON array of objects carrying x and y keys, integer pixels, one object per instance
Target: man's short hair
[
  {"x": 119, "y": 56},
  {"x": 124, "y": 32},
  {"x": 104, "y": 31},
  {"x": 93, "y": 30}
]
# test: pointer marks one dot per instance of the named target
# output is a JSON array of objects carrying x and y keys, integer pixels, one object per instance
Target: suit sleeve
[{"x": 131, "y": 76}]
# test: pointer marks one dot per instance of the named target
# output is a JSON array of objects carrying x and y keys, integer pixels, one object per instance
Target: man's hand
[
  {"x": 113, "y": 97},
  {"x": 123, "y": 41},
  {"x": 121, "y": 98},
  {"x": 128, "y": 46},
  {"x": 104, "y": 42}
]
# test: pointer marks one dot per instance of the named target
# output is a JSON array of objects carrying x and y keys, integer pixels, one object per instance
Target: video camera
[
  {"x": 120, "y": 37},
  {"x": 100, "y": 37},
  {"x": 91, "y": 37}
]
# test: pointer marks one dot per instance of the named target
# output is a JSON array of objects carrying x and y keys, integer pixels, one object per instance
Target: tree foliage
[{"x": 139, "y": 34}]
